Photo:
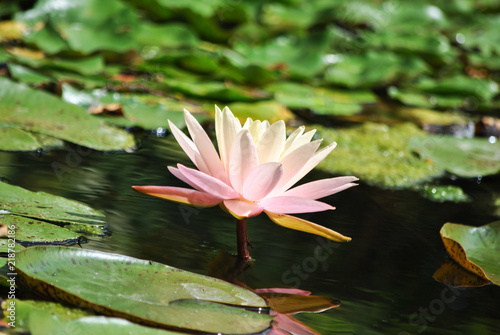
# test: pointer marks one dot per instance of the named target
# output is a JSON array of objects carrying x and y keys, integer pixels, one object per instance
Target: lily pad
[
  {"x": 320, "y": 100},
  {"x": 359, "y": 147},
  {"x": 40, "y": 112},
  {"x": 142, "y": 291},
  {"x": 477, "y": 249},
  {"x": 466, "y": 157},
  {"x": 86, "y": 26},
  {"x": 29, "y": 231},
  {"x": 43, "y": 317},
  {"x": 39, "y": 205}
]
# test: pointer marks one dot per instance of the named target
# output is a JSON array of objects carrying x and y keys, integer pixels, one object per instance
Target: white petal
[
  {"x": 300, "y": 141},
  {"x": 243, "y": 159},
  {"x": 293, "y": 164},
  {"x": 272, "y": 143},
  {"x": 189, "y": 148},
  {"x": 309, "y": 165},
  {"x": 205, "y": 148},
  {"x": 227, "y": 127},
  {"x": 293, "y": 136}
]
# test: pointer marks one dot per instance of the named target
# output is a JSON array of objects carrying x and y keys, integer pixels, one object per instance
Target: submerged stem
[{"x": 242, "y": 239}]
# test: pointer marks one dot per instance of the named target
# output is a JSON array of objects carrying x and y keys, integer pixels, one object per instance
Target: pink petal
[
  {"x": 322, "y": 188},
  {"x": 296, "y": 223},
  {"x": 243, "y": 159},
  {"x": 205, "y": 148},
  {"x": 180, "y": 194},
  {"x": 189, "y": 148},
  {"x": 242, "y": 208},
  {"x": 293, "y": 163},
  {"x": 262, "y": 180},
  {"x": 293, "y": 205},
  {"x": 282, "y": 290},
  {"x": 178, "y": 174},
  {"x": 308, "y": 166},
  {"x": 207, "y": 183}
]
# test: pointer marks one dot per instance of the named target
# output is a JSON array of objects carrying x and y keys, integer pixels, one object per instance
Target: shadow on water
[{"x": 384, "y": 277}]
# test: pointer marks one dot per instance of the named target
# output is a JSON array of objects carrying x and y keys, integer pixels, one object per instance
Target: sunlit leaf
[
  {"x": 40, "y": 112},
  {"x": 477, "y": 249},
  {"x": 114, "y": 284}
]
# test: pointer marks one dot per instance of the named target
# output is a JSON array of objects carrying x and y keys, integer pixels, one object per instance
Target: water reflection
[{"x": 384, "y": 277}]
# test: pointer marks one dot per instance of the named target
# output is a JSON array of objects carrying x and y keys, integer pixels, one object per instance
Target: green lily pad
[
  {"x": 320, "y": 100},
  {"x": 115, "y": 285},
  {"x": 14, "y": 139},
  {"x": 460, "y": 85},
  {"x": 373, "y": 69},
  {"x": 39, "y": 205},
  {"x": 466, "y": 157},
  {"x": 25, "y": 309},
  {"x": 359, "y": 147},
  {"x": 30, "y": 231},
  {"x": 86, "y": 26},
  {"x": 4, "y": 246},
  {"x": 477, "y": 249},
  {"x": 40, "y": 112},
  {"x": 27, "y": 75},
  {"x": 44, "y": 317},
  {"x": 173, "y": 35}
]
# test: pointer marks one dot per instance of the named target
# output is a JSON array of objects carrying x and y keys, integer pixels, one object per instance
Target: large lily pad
[
  {"x": 40, "y": 112},
  {"x": 14, "y": 139},
  {"x": 477, "y": 249},
  {"x": 141, "y": 290},
  {"x": 39, "y": 205},
  {"x": 41, "y": 317},
  {"x": 466, "y": 157}
]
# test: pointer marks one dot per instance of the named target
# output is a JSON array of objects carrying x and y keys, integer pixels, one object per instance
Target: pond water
[{"x": 383, "y": 278}]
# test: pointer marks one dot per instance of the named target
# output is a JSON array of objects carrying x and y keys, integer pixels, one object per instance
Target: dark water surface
[{"x": 383, "y": 278}]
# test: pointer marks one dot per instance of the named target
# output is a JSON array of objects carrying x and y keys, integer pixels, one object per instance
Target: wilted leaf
[
  {"x": 451, "y": 273},
  {"x": 477, "y": 249},
  {"x": 114, "y": 284}
]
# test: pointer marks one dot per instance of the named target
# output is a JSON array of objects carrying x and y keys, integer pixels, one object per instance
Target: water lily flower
[{"x": 253, "y": 172}]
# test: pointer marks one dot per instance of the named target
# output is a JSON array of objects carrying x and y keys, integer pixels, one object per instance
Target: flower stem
[{"x": 242, "y": 240}]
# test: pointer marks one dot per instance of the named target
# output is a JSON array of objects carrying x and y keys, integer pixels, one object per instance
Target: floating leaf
[
  {"x": 466, "y": 157},
  {"x": 43, "y": 206},
  {"x": 41, "y": 112},
  {"x": 262, "y": 110},
  {"x": 477, "y": 249},
  {"x": 43, "y": 317},
  {"x": 114, "y": 284},
  {"x": 359, "y": 147},
  {"x": 320, "y": 100},
  {"x": 30, "y": 231},
  {"x": 86, "y": 26}
]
